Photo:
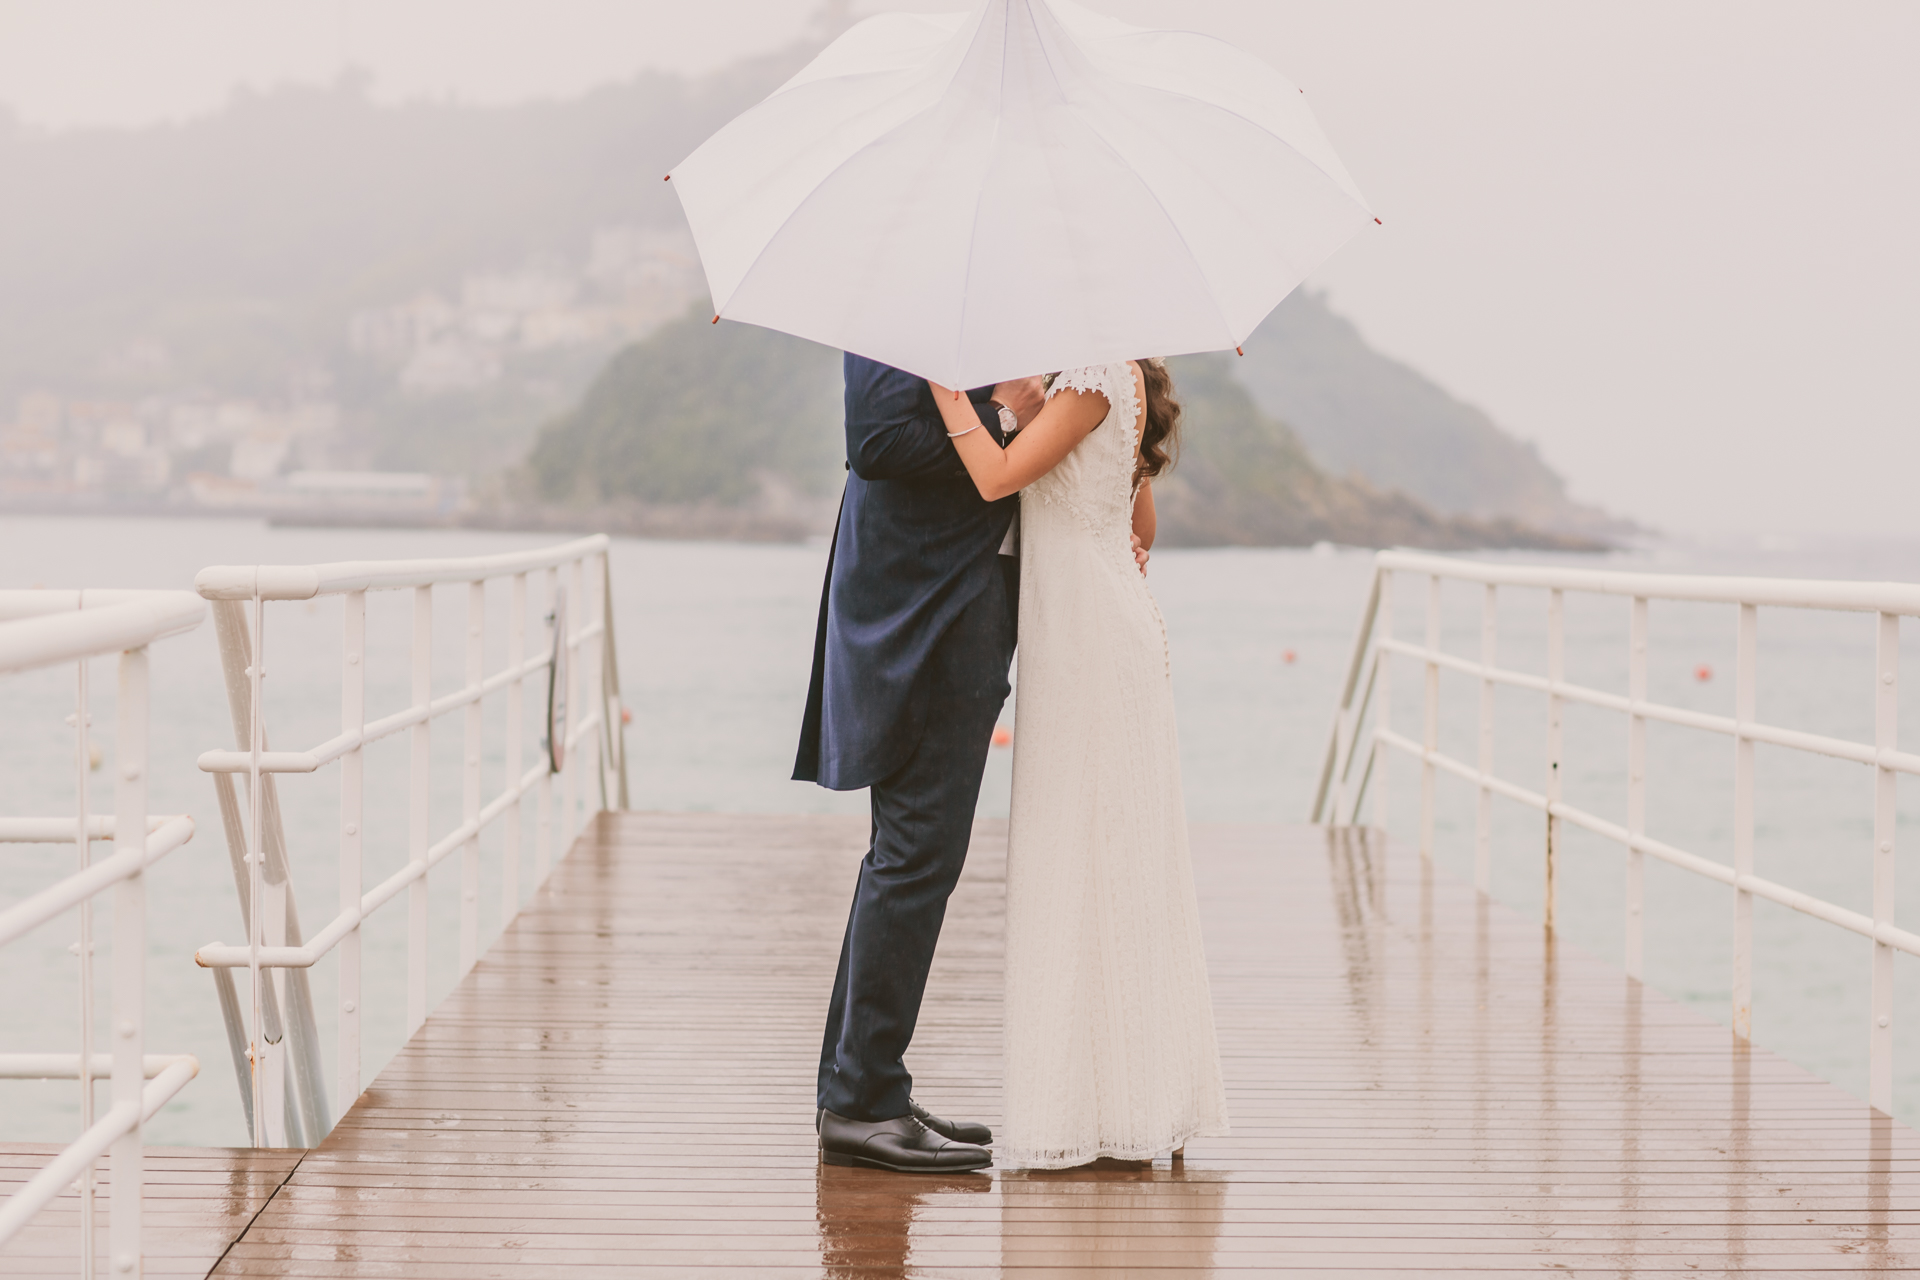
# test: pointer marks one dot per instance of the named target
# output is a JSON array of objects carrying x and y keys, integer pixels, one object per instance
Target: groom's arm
[{"x": 893, "y": 430}]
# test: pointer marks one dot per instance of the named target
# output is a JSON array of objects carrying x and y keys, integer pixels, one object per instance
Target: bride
[{"x": 1110, "y": 1048}]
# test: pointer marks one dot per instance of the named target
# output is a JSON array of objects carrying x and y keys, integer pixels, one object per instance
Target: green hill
[
  {"x": 1246, "y": 479},
  {"x": 1359, "y": 411},
  {"x": 229, "y": 255},
  {"x": 696, "y": 414},
  {"x": 703, "y": 426}
]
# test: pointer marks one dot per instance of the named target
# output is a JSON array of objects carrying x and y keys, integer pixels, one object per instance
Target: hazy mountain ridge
[
  {"x": 1360, "y": 411},
  {"x": 699, "y": 413},
  {"x": 237, "y": 255},
  {"x": 244, "y": 240},
  {"x": 736, "y": 428}
]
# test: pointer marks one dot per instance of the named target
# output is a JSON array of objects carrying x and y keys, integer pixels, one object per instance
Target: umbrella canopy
[{"x": 1026, "y": 187}]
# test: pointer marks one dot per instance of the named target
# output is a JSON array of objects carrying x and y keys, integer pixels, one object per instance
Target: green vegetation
[
  {"x": 224, "y": 257},
  {"x": 699, "y": 413},
  {"x": 699, "y": 417}
]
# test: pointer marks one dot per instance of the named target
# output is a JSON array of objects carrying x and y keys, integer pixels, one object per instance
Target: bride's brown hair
[{"x": 1160, "y": 433}]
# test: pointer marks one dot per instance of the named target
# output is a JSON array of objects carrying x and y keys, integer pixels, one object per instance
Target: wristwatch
[{"x": 1008, "y": 422}]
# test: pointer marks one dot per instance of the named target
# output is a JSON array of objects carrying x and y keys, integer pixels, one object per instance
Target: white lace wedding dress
[{"x": 1110, "y": 1046}]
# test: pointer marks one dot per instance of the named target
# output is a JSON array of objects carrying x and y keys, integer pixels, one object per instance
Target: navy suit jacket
[{"x": 915, "y": 544}]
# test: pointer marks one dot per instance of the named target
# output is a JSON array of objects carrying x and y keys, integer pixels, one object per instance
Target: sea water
[{"x": 714, "y": 645}]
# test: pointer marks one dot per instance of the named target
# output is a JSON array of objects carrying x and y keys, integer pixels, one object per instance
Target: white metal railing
[
  {"x": 280, "y": 1033},
  {"x": 1339, "y": 796},
  {"x": 42, "y": 629}
]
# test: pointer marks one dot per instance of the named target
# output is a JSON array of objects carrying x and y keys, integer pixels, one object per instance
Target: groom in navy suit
[{"x": 910, "y": 662}]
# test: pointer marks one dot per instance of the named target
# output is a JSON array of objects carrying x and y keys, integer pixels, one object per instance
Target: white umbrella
[{"x": 1027, "y": 187}]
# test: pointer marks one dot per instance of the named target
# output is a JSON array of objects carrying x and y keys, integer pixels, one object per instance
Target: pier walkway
[{"x": 1420, "y": 1083}]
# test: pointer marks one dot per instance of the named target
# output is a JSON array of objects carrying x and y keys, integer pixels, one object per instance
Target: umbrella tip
[
  {"x": 1239, "y": 351},
  {"x": 716, "y": 319},
  {"x": 1378, "y": 223},
  {"x": 668, "y": 178}
]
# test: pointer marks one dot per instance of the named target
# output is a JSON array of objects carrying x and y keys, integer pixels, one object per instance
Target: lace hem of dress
[{"x": 1013, "y": 1158}]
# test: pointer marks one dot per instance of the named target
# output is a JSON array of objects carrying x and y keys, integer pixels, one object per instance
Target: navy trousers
[{"x": 922, "y": 821}]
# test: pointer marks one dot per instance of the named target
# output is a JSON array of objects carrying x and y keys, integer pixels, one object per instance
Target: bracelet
[{"x": 955, "y": 435}]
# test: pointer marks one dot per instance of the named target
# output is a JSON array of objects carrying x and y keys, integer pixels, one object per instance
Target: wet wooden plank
[
  {"x": 198, "y": 1199},
  {"x": 1421, "y": 1083}
]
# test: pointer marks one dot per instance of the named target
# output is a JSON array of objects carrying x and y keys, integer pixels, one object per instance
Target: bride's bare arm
[{"x": 997, "y": 472}]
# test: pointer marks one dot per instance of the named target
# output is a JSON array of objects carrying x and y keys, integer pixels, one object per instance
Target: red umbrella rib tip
[
  {"x": 1239, "y": 351},
  {"x": 716, "y": 319},
  {"x": 1378, "y": 223},
  {"x": 668, "y": 178}
]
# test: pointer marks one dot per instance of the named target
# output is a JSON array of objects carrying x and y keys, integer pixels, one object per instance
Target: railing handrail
[
  {"x": 70, "y": 891},
  {"x": 304, "y": 582},
  {"x": 1375, "y": 645},
  {"x": 276, "y": 955},
  {"x": 45, "y": 628},
  {"x": 1791, "y": 593}
]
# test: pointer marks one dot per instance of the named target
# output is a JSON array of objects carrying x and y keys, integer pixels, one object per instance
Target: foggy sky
[{"x": 1672, "y": 243}]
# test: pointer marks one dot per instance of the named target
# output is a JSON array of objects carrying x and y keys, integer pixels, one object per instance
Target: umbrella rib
[
  {"x": 1242, "y": 116},
  {"x": 1160, "y": 204},
  {"x": 788, "y": 217},
  {"x": 973, "y": 235},
  {"x": 1173, "y": 222}
]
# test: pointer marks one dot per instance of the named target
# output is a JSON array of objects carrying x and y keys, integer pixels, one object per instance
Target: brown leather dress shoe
[
  {"x": 902, "y": 1145},
  {"x": 959, "y": 1130}
]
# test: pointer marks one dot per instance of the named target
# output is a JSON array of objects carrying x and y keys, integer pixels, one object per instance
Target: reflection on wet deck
[
  {"x": 1419, "y": 1080},
  {"x": 198, "y": 1200}
]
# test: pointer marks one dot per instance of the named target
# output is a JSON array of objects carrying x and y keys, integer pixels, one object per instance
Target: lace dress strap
[{"x": 1115, "y": 382}]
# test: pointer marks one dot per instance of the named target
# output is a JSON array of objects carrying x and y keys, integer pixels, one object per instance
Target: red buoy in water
[{"x": 1703, "y": 673}]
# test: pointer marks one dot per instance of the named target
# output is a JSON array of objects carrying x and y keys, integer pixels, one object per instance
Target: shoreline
[{"x": 702, "y": 523}]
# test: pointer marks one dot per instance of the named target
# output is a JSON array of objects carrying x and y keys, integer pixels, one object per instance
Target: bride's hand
[{"x": 1140, "y": 554}]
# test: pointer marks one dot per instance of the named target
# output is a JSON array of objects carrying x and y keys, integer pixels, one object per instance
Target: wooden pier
[{"x": 1421, "y": 1082}]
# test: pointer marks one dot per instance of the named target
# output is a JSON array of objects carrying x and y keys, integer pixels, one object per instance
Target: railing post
[
  {"x": 257, "y": 845},
  {"x": 597, "y": 674},
  {"x": 83, "y": 849},
  {"x": 470, "y": 779},
  {"x": 570, "y": 770},
  {"x": 129, "y": 960},
  {"x": 1636, "y": 782},
  {"x": 516, "y": 729},
  {"x": 417, "y": 827},
  {"x": 543, "y": 824},
  {"x": 1886, "y": 738},
  {"x": 610, "y": 675},
  {"x": 1556, "y": 676},
  {"x": 1383, "y": 718},
  {"x": 282, "y": 1103},
  {"x": 353, "y": 718},
  {"x": 1345, "y": 725},
  {"x": 1342, "y": 737},
  {"x": 1483, "y": 808},
  {"x": 256, "y": 865},
  {"x": 1744, "y": 712},
  {"x": 1430, "y": 735}
]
